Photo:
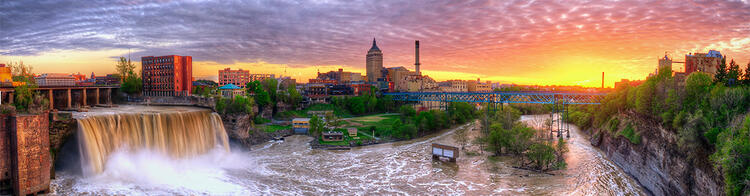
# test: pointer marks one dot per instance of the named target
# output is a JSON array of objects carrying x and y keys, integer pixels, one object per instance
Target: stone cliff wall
[
  {"x": 239, "y": 128},
  {"x": 656, "y": 163}
]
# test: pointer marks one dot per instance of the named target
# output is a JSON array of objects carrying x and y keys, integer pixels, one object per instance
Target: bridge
[
  {"x": 68, "y": 97},
  {"x": 538, "y": 97},
  {"x": 559, "y": 100}
]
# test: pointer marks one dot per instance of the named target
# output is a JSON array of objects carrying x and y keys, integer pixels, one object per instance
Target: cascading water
[{"x": 178, "y": 134}]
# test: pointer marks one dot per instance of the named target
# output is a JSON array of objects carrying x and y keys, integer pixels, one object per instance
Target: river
[{"x": 401, "y": 168}]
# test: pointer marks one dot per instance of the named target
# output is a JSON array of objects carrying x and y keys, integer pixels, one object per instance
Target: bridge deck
[{"x": 539, "y": 97}]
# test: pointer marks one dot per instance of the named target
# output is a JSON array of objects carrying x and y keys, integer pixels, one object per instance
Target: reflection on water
[{"x": 292, "y": 168}]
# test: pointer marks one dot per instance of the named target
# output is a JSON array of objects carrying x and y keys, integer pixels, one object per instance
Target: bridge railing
[{"x": 502, "y": 97}]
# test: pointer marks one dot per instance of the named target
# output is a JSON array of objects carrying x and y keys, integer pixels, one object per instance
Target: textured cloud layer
[{"x": 489, "y": 38}]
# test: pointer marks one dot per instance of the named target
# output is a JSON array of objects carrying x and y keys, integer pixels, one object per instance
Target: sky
[{"x": 523, "y": 42}]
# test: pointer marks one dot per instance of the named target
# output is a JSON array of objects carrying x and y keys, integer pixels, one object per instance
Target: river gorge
[{"x": 182, "y": 151}]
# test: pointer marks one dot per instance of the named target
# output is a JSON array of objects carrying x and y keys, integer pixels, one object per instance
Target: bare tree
[{"x": 461, "y": 137}]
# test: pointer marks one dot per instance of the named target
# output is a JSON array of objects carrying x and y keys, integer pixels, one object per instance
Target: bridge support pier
[
  {"x": 51, "y": 98},
  {"x": 10, "y": 98},
  {"x": 84, "y": 97},
  {"x": 97, "y": 96},
  {"x": 109, "y": 96},
  {"x": 70, "y": 100}
]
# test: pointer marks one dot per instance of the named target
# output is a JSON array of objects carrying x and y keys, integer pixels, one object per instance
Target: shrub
[
  {"x": 614, "y": 124},
  {"x": 629, "y": 133},
  {"x": 541, "y": 155},
  {"x": 733, "y": 148}
]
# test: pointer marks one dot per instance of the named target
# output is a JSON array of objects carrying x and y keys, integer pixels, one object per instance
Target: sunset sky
[{"x": 523, "y": 42}]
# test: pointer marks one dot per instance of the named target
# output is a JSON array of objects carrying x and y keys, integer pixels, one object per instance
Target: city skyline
[{"x": 566, "y": 43}]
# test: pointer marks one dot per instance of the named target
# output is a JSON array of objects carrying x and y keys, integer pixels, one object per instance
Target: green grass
[
  {"x": 274, "y": 128},
  {"x": 315, "y": 107},
  {"x": 629, "y": 133},
  {"x": 335, "y": 143},
  {"x": 379, "y": 121}
]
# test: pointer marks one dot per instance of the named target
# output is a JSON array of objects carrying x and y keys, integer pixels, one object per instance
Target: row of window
[
  {"x": 155, "y": 67},
  {"x": 159, "y": 60}
]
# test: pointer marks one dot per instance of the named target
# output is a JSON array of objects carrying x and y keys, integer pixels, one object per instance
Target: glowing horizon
[{"x": 532, "y": 43}]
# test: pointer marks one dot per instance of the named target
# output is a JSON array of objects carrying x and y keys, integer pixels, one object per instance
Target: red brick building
[
  {"x": 167, "y": 75},
  {"x": 24, "y": 154},
  {"x": 237, "y": 77}
]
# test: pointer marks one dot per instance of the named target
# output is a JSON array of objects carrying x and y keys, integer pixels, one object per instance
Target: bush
[
  {"x": 541, "y": 155},
  {"x": 515, "y": 140},
  {"x": 260, "y": 120},
  {"x": 731, "y": 157},
  {"x": 629, "y": 133},
  {"x": 614, "y": 124},
  {"x": 690, "y": 137}
]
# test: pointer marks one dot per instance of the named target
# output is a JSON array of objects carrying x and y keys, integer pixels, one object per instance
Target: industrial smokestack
[
  {"x": 602, "y": 80},
  {"x": 416, "y": 51}
]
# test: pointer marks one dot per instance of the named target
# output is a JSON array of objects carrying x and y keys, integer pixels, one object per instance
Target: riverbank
[{"x": 655, "y": 162}]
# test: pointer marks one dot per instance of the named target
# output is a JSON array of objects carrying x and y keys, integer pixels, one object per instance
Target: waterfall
[{"x": 177, "y": 134}]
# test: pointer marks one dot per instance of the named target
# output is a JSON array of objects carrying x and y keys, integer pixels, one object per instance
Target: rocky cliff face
[
  {"x": 657, "y": 163},
  {"x": 239, "y": 128}
]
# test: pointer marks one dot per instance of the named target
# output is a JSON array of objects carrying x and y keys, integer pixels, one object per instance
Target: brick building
[
  {"x": 341, "y": 76},
  {"x": 107, "y": 80},
  {"x": 25, "y": 161},
  {"x": 478, "y": 86},
  {"x": 237, "y": 77},
  {"x": 704, "y": 62},
  {"x": 453, "y": 86},
  {"x": 55, "y": 79},
  {"x": 259, "y": 77},
  {"x": 167, "y": 75}
]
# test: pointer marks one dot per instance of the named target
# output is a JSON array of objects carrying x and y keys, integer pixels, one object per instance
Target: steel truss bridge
[{"x": 560, "y": 101}]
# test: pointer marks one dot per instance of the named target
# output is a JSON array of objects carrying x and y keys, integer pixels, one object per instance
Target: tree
[
  {"x": 407, "y": 112},
  {"x": 294, "y": 96},
  {"x": 645, "y": 95},
  {"x": 746, "y": 77},
  {"x": 733, "y": 74},
  {"x": 355, "y": 105},
  {"x": 541, "y": 156},
  {"x": 386, "y": 103},
  {"x": 262, "y": 98},
  {"x": 721, "y": 71},
  {"x": 221, "y": 105},
  {"x": 560, "y": 150},
  {"x": 731, "y": 157},
  {"x": 124, "y": 68},
  {"x": 132, "y": 84},
  {"x": 409, "y": 130},
  {"x": 239, "y": 104},
  {"x": 396, "y": 128},
  {"x": 372, "y": 102},
  {"x": 22, "y": 72},
  {"x": 697, "y": 85},
  {"x": 317, "y": 126},
  {"x": 271, "y": 86},
  {"x": 690, "y": 137},
  {"x": 461, "y": 137},
  {"x": 26, "y": 99}
]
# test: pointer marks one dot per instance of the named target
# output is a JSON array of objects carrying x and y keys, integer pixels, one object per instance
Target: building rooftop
[
  {"x": 333, "y": 133},
  {"x": 229, "y": 87},
  {"x": 713, "y": 53},
  {"x": 374, "y": 46}
]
